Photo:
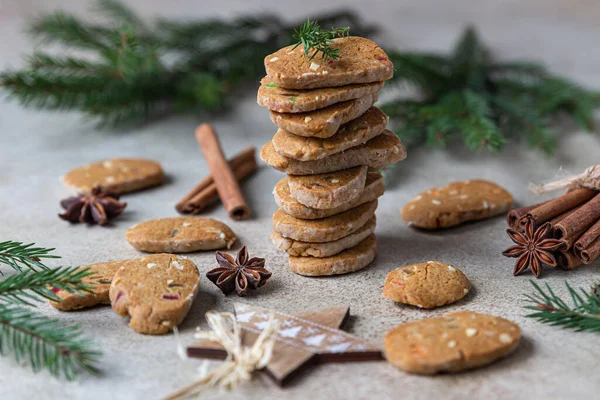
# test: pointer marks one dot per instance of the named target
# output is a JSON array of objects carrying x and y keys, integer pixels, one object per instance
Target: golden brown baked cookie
[
  {"x": 360, "y": 61},
  {"x": 324, "y": 229},
  {"x": 279, "y": 99},
  {"x": 374, "y": 187},
  {"x": 451, "y": 343},
  {"x": 381, "y": 151},
  {"x": 426, "y": 285},
  {"x": 350, "y": 260},
  {"x": 306, "y": 249},
  {"x": 100, "y": 279},
  {"x": 458, "y": 202},
  {"x": 352, "y": 134},
  {"x": 326, "y": 191},
  {"x": 156, "y": 291},
  {"x": 180, "y": 235},
  {"x": 119, "y": 175},
  {"x": 325, "y": 122}
]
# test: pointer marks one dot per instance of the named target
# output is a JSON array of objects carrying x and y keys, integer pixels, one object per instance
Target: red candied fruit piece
[
  {"x": 382, "y": 58},
  {"x": 170, "y": 296},
  {"x": 399, "y": 283},
  {"x": 55, "y": 290}
]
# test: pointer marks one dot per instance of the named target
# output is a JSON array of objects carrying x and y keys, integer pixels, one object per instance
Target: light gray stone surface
[{"x": 38, "y": 147}]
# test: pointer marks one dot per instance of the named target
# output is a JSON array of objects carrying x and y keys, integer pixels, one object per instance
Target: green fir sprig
[
  {"x": 39, "y": 341},
  {"x": 469, "y": 96},
  {"x": 582, "y": 315},
  {"x": 316, "y": 40}
]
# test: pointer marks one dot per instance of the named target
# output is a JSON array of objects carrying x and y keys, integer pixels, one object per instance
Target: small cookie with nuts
[
  {"x": 451, "y": 343},
  {"x": 456, "y": 203},
  {"x": 354, "y": 133},
  {"x": 279, "y": 99},
  {"x": 374, "y": 188},
  {"x": 99, "y": 280},
  {"x": 426, "y": 285},
  {"x": 119, "y": 175},
  {"x": 360, "y": 60},
  {"x": 329, "y": 190},
  {"x": 156, "y": 291},
  {"x": 180, "y": 235},
  {"x": 379, "y": 152}
]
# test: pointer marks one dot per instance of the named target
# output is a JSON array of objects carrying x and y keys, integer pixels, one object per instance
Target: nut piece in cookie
[
  {"x": 329, "y": 190},
  {"x": 118, "y": 175},
  {"x": 451, "y": 343},
  {"x": 426, "y": 285},
  {"x": 156, "y": 291},
  {"x": 360, "y": 61},
  {"x": 100, "y": 280},
  {"x": 180, "y": 235},
  {"x": 350, "y": 260},
  {"x": 458, "y": 202}
]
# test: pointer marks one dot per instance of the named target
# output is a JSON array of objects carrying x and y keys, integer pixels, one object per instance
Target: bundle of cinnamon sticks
[{"x": 575, "y": 220}]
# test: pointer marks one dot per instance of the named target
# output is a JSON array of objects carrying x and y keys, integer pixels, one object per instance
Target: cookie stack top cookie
[{"x": 330, "y": 141}]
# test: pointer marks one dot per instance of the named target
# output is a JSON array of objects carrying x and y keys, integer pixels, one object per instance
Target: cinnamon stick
[
  {"x": 557, "y": 206},
  {"x": 513, "y": 216},
  {"x": 205, "y": 192},
  {"x": 571, "y": 228},
  {"x": 590, "y": 253},
  {"x": 567, "y": 260},
  {"x": 227, "y": 185},
  {"x": 588, "y": 237}
]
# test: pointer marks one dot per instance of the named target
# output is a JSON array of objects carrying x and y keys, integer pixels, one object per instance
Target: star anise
[
  {"x": 96, "y": 207},
  {"x": 239, "y": 274},
  {"x": 535, "y": 247}
]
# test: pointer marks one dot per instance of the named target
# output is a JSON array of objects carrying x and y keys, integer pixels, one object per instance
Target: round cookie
[
  {"x": 458, "y": 202},
  {"x": 330, "y": 190},
  {"x": 451, "y": 343},
  {"x": 276, "y": 98},
  {"x": 350, "y": 260},
  {"x": 120, "y": 175},
  {"x": 99, "y": 280},
  {"x": 305, "y": 249},
  {"x": 426, "y": 285},
  {"x": 360, "y": 60},
  {"x": 325, "y": 122},
  {"x": 156, "y": 291},
  {"x": 374, "y": 187},
  {"x": 379, "y": 152},
  {"x": 352, "y": 134},
  {"x": 180, "y": 235},
  {"x": 324, "y": 229}
]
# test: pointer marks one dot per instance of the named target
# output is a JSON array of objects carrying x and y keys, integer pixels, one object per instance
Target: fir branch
[
  {"x": 313, "y": 38},
  {"x": 549, "y": 308},
  {"x": 18, "y": 255},
  {"x": 16, "y": 288},
  {"x": 43, "y": 342}
]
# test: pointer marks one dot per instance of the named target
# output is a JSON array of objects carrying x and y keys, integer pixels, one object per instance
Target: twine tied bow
[
  {"x": 241, "y": 360},
  {"x": 590, "y": 178}
]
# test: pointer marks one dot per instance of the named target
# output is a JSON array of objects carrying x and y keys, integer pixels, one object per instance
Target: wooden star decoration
[{"x": 303, "y": 339}]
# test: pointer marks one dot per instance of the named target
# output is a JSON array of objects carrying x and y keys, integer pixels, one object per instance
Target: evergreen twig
[
  {"x": 41, "y": 341},
  {"x": 582, "y": 315},
  {"x": 313, "y": 38}
]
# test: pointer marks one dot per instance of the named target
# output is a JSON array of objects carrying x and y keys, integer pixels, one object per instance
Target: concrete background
[{"x": 38, "y": 147}]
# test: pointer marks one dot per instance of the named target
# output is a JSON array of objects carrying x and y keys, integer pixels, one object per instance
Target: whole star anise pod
[
  {"x": 240, "y": 274},
  {"x": 534, "y": 248},
  {"x": 96, "y": 207}
]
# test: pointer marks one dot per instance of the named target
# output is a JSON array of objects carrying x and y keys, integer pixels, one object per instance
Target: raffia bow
[
  {"x": 241, "y": 360},
  {"x": 590, "y": 178}
]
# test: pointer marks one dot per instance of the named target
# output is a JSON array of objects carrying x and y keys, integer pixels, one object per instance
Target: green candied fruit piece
[
  {"x": 270, "y": 85},
  {"x": 293, "y": 99}
]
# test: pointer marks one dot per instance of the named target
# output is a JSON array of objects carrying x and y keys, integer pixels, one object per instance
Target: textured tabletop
[{"x": 36, "y": 148}]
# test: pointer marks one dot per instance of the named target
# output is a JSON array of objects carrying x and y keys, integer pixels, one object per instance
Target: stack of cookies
[{"x": 331, "y": 141}]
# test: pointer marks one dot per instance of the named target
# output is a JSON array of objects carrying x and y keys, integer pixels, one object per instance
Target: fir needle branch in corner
[
  {"x": 18, "y": 255},
  {"x": 313, "y": 38},
  {"x": 549, "y": 308}
]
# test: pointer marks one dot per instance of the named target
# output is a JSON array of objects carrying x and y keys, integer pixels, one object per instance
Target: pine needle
[
  {"x": 313, "y": 38},
  {"x": 582, "y": 315},
  {"x": 18, "y": 255}
]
